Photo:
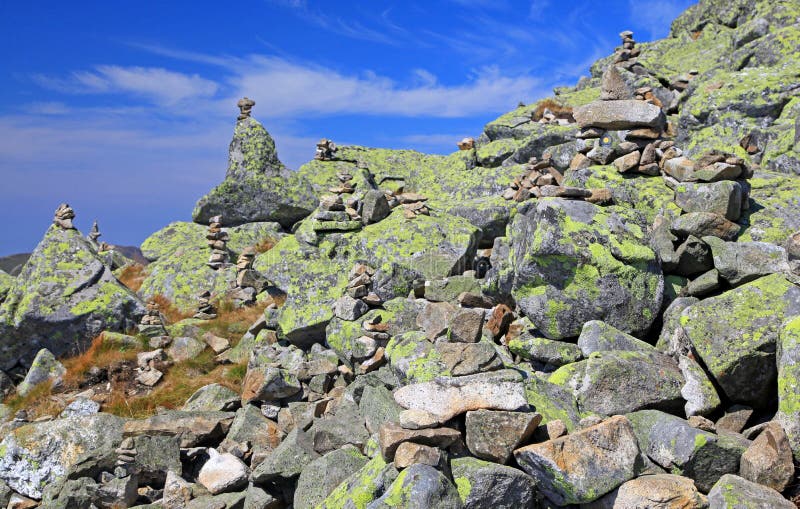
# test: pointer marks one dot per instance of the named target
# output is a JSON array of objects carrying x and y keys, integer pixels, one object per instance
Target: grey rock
[
  {"x": 334, "y": 431},
  {"x": 723, "y": 198},
  {"x": 155, "y": 456},
  {"x": 370, "y": 482},
  {"x": 703, "y": 284},
  {"x": 619, "y": 115},
  {"x": 288, "y": 460},
  {"x": 251, "y": 427},
  {"x": 738, "y": 346},
  {"x": 616, "y": 382},
  {"x": 469, "y": 358},
  {"x": 212, "y": 397},
  {"x": 788, "y": 360},
  {"x": 485, "y": 484},
  {"x": 222, "y": 473},
  {"x": 185, "y": 348},
  {"x": 731, "y": 492},
  {"x": 375, "y": 207},
  {"x": 585, "y": 465},
  {"x": 698, "y": 391},
  {"x": 768, "y": 460},
  {"x": 548, "y": 353},
  {"x": 597, "y": 336},
  {"x": 192, "y": 428},
  {"x": 493, "y": 435},
  {"x": 377, "y": 405},
  {"x": 466, "y": 326},
  {"x": 741, "y": 262},
  {"x": 320, "y": 477},
  {"x": 350, "y": 309},
  {"x": 676, "y": 446},
  {"x": 671, "y": 319},
  {"x": 435, "y": 317},
  {"x": 703, "y": 224},
  {"x": 694, "y": 257},
  {"x": 268, "y": 384},
  {"x": 660, "y": 491},
  {"x": 44, "y": 368},
  {"x": 80, "y": 407},
  {"x": 419, "y": 487}
]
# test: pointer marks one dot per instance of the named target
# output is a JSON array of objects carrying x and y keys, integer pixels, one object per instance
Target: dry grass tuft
[
  {"x": 100, "y": 354},
  {"x": 179, "y": 383},
  {"x": 232, "y": 322},
  {"x": 558, "y": 109},
  {"x": 38, "y": 402},
  {"x": 133, "y": 276},
  {"x": 169, "y": 310}
]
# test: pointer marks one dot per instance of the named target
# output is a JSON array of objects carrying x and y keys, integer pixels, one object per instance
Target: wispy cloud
[
  {"x": 159, "y": 85},
  {"x": 651, "y": 14}
]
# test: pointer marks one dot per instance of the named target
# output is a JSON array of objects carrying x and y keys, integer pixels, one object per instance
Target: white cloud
[
  {"x": 287, "y": 89},
  {"x": 161, "y": 86},
  {"x": 656, "y": 15}
]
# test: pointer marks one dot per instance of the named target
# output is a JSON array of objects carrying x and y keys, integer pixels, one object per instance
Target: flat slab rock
[
  {"x": 619, "y": 115},
  {"x": 447, "y": 397}
]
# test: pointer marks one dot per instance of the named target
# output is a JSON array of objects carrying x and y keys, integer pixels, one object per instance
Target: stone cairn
[
  {"x": 542, "y": 180},
  {"x": 413, "y": 205},
  {"x": 326, "y": 150},
  {"x": 217, "y": 241},
  {"x": 627, "y": 55},
  {"x": 334, "y": 215},
  {"x": 205, "y": 310},
  {"x": 94, "y": 233},
  {"x": 64, "y": 216},
  {"x": 245, "y": 105},
  {"x": 152, "y": 323},
  {"x": 249, "y": 282}
]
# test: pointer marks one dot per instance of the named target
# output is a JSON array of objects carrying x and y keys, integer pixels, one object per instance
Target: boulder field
[{"x": 594, "y": 303}]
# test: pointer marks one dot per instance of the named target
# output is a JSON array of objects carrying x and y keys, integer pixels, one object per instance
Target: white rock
[{"x": 222, "y": 472}]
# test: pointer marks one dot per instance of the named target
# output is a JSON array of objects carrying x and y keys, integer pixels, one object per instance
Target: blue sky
[{"x": 125, "y": 109}]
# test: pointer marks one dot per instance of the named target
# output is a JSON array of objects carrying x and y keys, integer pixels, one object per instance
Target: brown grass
[
  {"x": 133, "y": 276},
  {"x": 100, "y": 354},
  {"x": 169, "y": 310},
  {"x": 558, "y": 109},
  {"x": 38, "y": 402},
  {"x": 232, "y": 322},
  {"x": 179, "y": 383},
  {"x": 265, "y": 245}
]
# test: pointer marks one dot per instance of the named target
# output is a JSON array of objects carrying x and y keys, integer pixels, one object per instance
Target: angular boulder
[
  {"x": 484, "y": 484},
  {"x": 732, "y": 492},
  {"x": 789, "y": 383},
  {"x": 619, "y": 115},
  {"x": 574, "y": 262}
]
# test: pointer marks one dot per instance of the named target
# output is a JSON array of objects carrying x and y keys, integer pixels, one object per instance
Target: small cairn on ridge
[
  {"x": 205, "y": 310},
  {"x": 627, "y": 55},
  {"x": 152, "y": 323},
  {"x": 64, "y": 216},
  {"x": 542, "y": 180},
  {"x": 249, "y": 282},
  {"x": 326, "y": 150},
  {"x": 245, "y": 105},
  {"x": 413, "y": 205},
  {"x": 217, "y": 241},
  {"x": 94, "y": 233},
  {"x": 333, "y": 215},
  {"x": 466, "y": 144}
]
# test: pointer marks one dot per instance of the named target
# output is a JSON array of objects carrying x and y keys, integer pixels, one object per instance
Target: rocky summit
[{"x": 593, "y": 303}]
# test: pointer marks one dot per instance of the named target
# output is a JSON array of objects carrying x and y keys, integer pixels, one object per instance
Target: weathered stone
[
  {"x": 627, "y": 162},
  {"x": 702, "y": 224},
  {"x": 698, "y": 391},
  {"x": 680, "y": 168},
  {"x": 377, "y": 405},
  {"x": 703, "y": 284},
  {"x": 81, "y": 407},
  {"x": 544, "y": 351},
  {"x": 320, "y": 477},
  {"x": 597, "y": 336},
  {"x": 616, "y": 382},
  {"x": 660, "y": 491},
  {"x": 222, "y": 473},
  {"x": 177, "y": 492},
  {"x": 788, "y": 360},
  {"x": 469, "y": 358},
  {"x": 735, "y": 418},
  {"x": 409, "y": 453},
  {"x": 723, "y": 198},
  {"x": 268, "y": 384},
  {"x": 44, "y": 368},
  {"x": 447, "y": 397},
  {"x": 493, "y": 435},
  {"x": 155, "y": 456},
  {"x": 375, "y": 207},
  {"x": 613, "y": 86},
  {"x": 693, "y": 257},
  {"x": 192, "y": 428},
  {"x": 741, "y": 262},
  {"x": 732, "y": 492},
  {"x": 466, "y": 325},
  {"x": 417, "y": 419},
  {"x": 419, "y": 487},
  {"x": 738, "y": 346},
  {"x": 288, "y": 460},
  {"x": 483, "y": 484},
  {"x": 391, "y": 435},
  {"x": 183, "y": 349},
  {"x": 768, "y": 460},
  {"x": 619, "y": 115},
  {"x": 673, "y": 444},
  {"x": 585, "y": 465},
  {"x": 350, "y": 309},
  {"x": 435, "y": 317},
  {"x": 213, "y": 397},
  {"x": 36, "y": 455}
]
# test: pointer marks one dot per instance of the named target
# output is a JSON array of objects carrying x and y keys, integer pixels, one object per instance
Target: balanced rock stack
[
  {"x": 466, "y": 144},
  {"x": 64, "y": 216},
  {"x": 148, "y": 364},
  {"x": 326, "y": 150},
  {"x": 245, "y": 105},
  {"x": 249, "y": 282},
  {"x": 205, "y": 310},
  {"x": 333, "y": 215},
  {"x": 94, "y": 233},
  {"x": 152, "y": 323},
  {"x": 627, "y": 55},
  {"x": 217, "y": 241},
  {"x": 542, "y": 180},
  {"x": 345, "y": 186}
]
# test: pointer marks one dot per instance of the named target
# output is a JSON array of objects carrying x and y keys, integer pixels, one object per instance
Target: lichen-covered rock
[
  {"x": 362, "y": 487},
  {"x": 44, "y": 368},
  {"x": 320, "y": 477},
  {"x": 660, "y": 491},
  {"x": 597, "y": 336},
  {"x": 545, "y": 352},
  {"x": 738, "y": 345},
  {"x": 419, "y": 487},
  {"x": 585, "y": 465},
  {"x": 41, "y": 454},
  {"x": 676, "y": 446},
  {"x": 212, "y": 397},
  {"x": 493, "y": 435},
  {"x": 257, "y": 186},
  {"x": 483, "y": 484},
  {"x": 574, "y": 262},
  {"x": 64, "y": 297},
  {"x": 741, "y": 262},
  {"x": 191, "y": 428},
  {"x": 788, "y": 360},
  {"x": 6, "y": 282},
  {"x": 733, "y": 492},
  {"x": 774, "y": 212},
  {"x": 616, "y": 382},
  {"x": 723, "y": 198},
  {"x": 288, "y": 460}
]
